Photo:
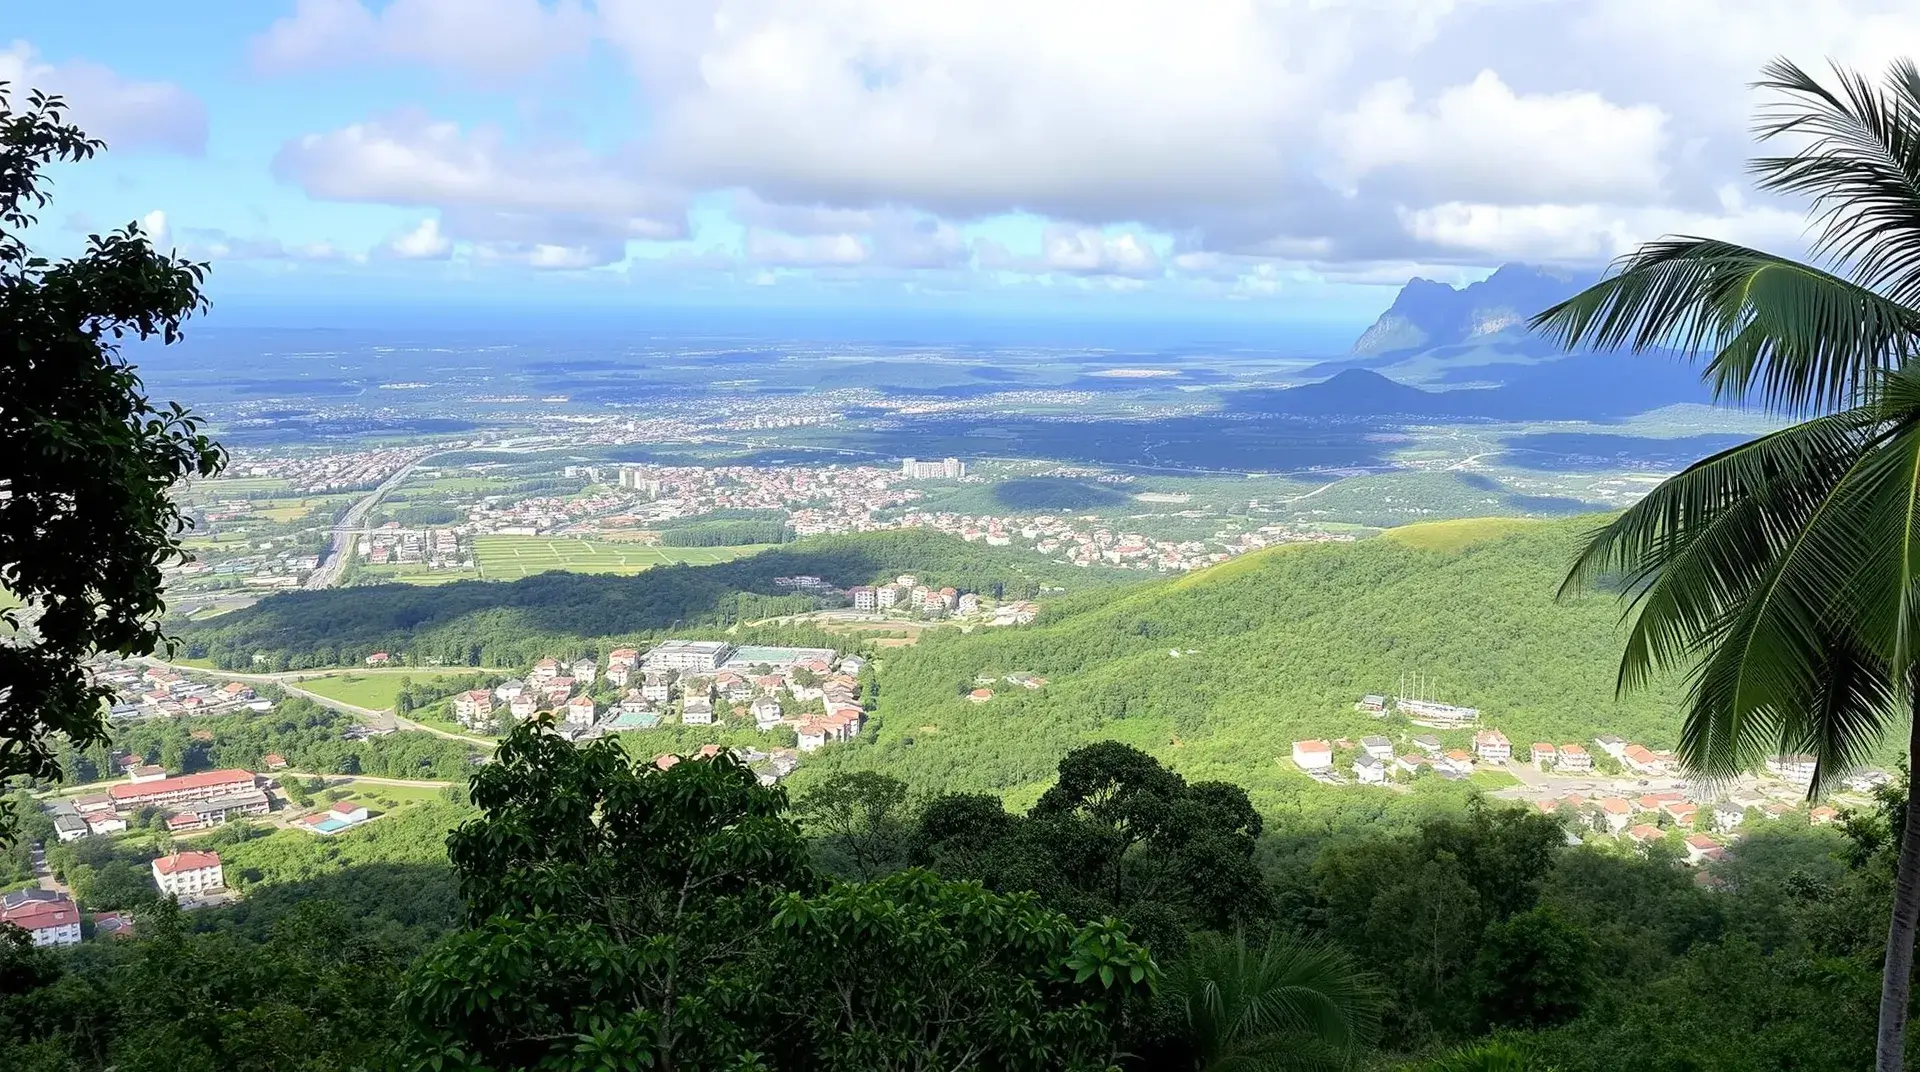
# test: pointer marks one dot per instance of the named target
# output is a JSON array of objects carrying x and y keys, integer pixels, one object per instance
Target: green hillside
[{"x": 1275, "y": 646}]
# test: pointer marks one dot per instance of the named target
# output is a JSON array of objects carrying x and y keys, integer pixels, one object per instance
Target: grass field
[
  {"x": 373, "y": 691},
  {"x": 512, "y": 557},
  {"x": 1449, "y": 537}
]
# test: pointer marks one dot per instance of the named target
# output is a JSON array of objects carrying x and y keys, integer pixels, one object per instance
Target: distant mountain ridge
[{"x": 1426, "y": 314}]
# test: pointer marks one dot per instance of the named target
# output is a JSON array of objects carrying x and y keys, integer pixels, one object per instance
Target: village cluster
[
  {"x": 812, "y": 691},
  {"x": 1707, "y": 818},
  {"x": 146, "y": 691},
  {"x": 311, "y": 474}
]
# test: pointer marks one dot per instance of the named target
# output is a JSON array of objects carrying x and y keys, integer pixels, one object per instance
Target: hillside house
[
  {"x": 1611, "y": 745},
  {"x": 544, "y": 671},
  {"x": 812, "y": 736},
  {"x": 1681, "y": 812},
  {"x": 697, "y": 712},
  {"x": 1455, "y": 762},
  {"x": 274, "y": 761},
  {"x": 379, "y": 658},
  {"x": 1412, "y": 763},
  {"x": 657, "y": 685},
  {"x": 585, "y": 671},
  {"x": 1369, "y": 770},
  {"x": 510, "y": 688},
  {"x": 146, "y": 772},
  {"x": 1727, "y": 816},
  {"x": 1641, "y": 760},
  {"x": 618, "y": 676},
  {"x": 980, "y": 696},
  {"x": 525, "y": 706},
  {"x": 1703, "y": 849},
  {"x": 1574, "y": 759},
  {"x": 627, "y": 657},
  {"x": 49, "y": 918},
  {"x": 580, "y": 712},
  {"x": 1544, "y": 754},
  {"x": 1492, "y": 746},
  {"x": 1797, "y": 769},
  {"x": 863, "y": 596},
  {"x": 1428, "y": 743},
  {"x": 1378, "y": 747},
  {"x": 1645, "y": 833},
  {"x": 473, "y": 708},
  {"x": 1314, "y": 755},
  {"x": 185, "y": 874},
  {"x": 72, "y": 827},
  {"x": 1616, "y": 813},
  {"x": 766, "y": 713},
  {"x": 1372, "y": 704}
]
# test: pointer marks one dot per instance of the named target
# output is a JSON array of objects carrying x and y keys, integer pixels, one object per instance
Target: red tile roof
[
  {"x": 186, "y": 861},
  {"x": 203, "y": 780},
  {"x": 40, "y": 915}
]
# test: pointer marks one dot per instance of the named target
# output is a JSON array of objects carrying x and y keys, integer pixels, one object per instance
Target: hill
[
  {"x": 494, "y": 623},
  {"x": 1426, "y": 314},
  {"x": 1274, "y": 646}
]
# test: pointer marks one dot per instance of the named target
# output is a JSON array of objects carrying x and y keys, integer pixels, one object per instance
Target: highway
[{"x": 334, "y": 563}]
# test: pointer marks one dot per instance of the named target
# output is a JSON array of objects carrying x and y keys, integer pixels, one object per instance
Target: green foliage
[
  {"x": 86, "y": 458},
  {"x": 1278, "y": 1006},
  {"x": 860, "y": 821},
  {"x": 630, "y": 916},
  {"x": 726, "y": 534},
  {"x": 474, "y": 623},
  {"x": 1533, "y": 970}
]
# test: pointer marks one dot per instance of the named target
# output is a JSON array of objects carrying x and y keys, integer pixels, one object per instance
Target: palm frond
[
  {"x": 1859, "y": 162},
  {"x": 1789, "y": 336},
  {"x": 1285, "y": 1004}
]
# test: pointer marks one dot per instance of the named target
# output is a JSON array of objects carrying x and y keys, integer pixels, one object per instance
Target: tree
[
  {"x": 1533, "y": 970},
  {"x": 86, "y": 459},
  {"x": 1283, "y": 1004},
  {"x": 1783, "y": 575},
  {"x": 863, "y": 816},
  {"x": 1484, "y": 1057},
  {"x": 623, "y": 917}
]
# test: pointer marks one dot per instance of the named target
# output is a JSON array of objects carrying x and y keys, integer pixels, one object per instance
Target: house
[
  {"x": 507, "y": 690},
  {"x": 697, "y": 712},
  {"x": 1574, "y": 759},
  {"x": 980, "y": 696},
  {"x": 1492, "y": 746},
  {"x": 766, "y": 713},
  {"x": 1314, "y": 755},
  {"x": 1703, "y": 849},
  {"x": 969, "y": 603},
  {"x": 1611, "y": 745},
  {"x": 334, "y": 819},
  {"x": 93, "y": 802},
  {"x": 1455, "y": 762},
  {"x": 234, "y": 692},
  {"x": 585, "y": 670},
  {"x": 1428, "y": 743},
  {"x": 274, "y": 761},
  {"x": 72, "y": 827},
  {"x": 187, "y": 873},
  {"x": 112, "y": 925},
  {"x": 1680, "y": 812},
  {"x": 49, "y": 918},
  {"x": 1616, "y": 812},
  {"x": 580, "y": 711},
  {"x": 104, "y": 822},
  {"x": 1369, "y": 770},
  {"x": 146, "y": 772},
  {"x": 1645, "y": 833},
  {"x": 215, "y": 811},
  {"x": 1372, "y": 704},
  {"x": 1378, "y": 747},
  {"x": 1794, "y": 768},
  {"x": 544, "y": 671},
  {"x": 1728, "y": 815},
  {"x": 1822, "y": 814},
  {"x": 626, "y": 657},
  {"x": 618, "y": 676},
  {"x": 695, "y": 655},
  {"x": 1544, "y": 754},
  {"x": 863, "y": 596},
  {"x": 852, "y": 665},
  {"x": 1641, "y": 760},
  {"x": 1411, "y": 764},
  {"x": 473, "y": 707},
  {"x": 813, "y": 736},
  {"x": 657, "y": 685},
  {"x": 379, "y": 658}
]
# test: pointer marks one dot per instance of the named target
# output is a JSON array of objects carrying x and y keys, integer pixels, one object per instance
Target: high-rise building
[{"x": 944, "y": 469}]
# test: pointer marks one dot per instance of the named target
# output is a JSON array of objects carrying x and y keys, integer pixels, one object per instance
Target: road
[
  {"x": 334, "y": 562},
  {"x": 44, "y": 873},
  {"x": 285, "y": 681}
]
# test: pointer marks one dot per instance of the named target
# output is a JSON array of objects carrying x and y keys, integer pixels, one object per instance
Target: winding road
[
  {"x": 286, "y": 682},
  {"x": 334, "y": 562}
]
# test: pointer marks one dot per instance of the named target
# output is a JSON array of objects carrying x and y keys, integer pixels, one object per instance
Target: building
[
  {"x": 580, "y": 711},
  {"x": 1456, "y": 762},
  {"x": 185, "y": 874},
  {"x": 766, "y": 713},
  {"x": 146, "y": 772},
  {"x": 969, "y": 603},
  {"x": 863, "y": 597},
  {"x": 1411, "y": 763},
  {"x": 886, "y": 596},
  {"x": 980, "y": 696},
  {"x": 274, "y": 761},
  {"x": 1544, "y": 754},
  {"x": 1641, "y": 760},
  {"x": 1378, "y": 747},
  {"x": 1822, "y": 814},
  {"x": 216, "y": 811},
  {"x": 544, "y": 671},
  {"x": 697, "y": 712},
  {"x": 627, "y": 657},
  {"x": 657, "y": 685},
  {"x": 71, "y": 827},
  {"x": 1372, "y": 704},
  {"x": 812, "y": 736},
  {"x": 1428, "y": 743},
  {"x": 1703, "y": 849},
  {"x": 1616, "y": 812},
  {"x": 1369, "y": 770},
  {"x": 1727, "y": 816},
  {"x": 1436, "y": 715},
  {"x": 1574, "y": 759},
  {"x": 1492, "y": 746},
  {"x": 699, "y": 656},
  {"x": 334, "y": 819},
  {"x": 49, "y": 918},
  {"x": 1611, "y": 745},
  {"x": 944, "y": 469},
  {"x": 473, "y": 708},
  {"x": 1313, "y": 755},
  {"x": 1794, "y": 768},
  {"x": 181, "y": 790},
  {"x": 1645, "y": 833}
]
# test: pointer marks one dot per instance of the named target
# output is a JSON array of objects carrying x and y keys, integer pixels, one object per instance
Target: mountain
[
  {"x": 1582, "y": 387},
  {"x": 1217, "y": 672},
  {"x": 1427, "y": 314}
]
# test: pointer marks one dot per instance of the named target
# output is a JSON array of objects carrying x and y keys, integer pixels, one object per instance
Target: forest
[
  {"x": 1405, "y": 932},
  {"x": 485, "y": 623}
]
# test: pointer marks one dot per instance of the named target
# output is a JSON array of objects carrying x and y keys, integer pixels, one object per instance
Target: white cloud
[
  {"x": 1084, "y": 251},
  {"x": 484, "y": 39},
  {"x": 125, "y": 114},
  {"x": 1587, "y": 233},
  {"x": 527, "y": 196},
  {"x": 1485, "y": 141},
  {"x": 778, "y": 250},
  {"x": 423, "y": 243},
  {"x": 155, "y": 225}
]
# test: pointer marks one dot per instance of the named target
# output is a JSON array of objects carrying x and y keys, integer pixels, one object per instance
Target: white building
[
  {"x": 1544, "y": 754},
  {"x": 863, "y": 596},
  {"x": 580, "y": 711},
  {"x": 1369, "y": 770},
  {"x": 1611, "y": 745},
  {"x": 766, "y": 713},
  {"x": 49, "y": 918},
  {"x": 697, "y": 712},
  {"x": 944, "y": 469},
  {"x": 702, "y": 656},
  {"x": 1378, "y": 747},
  {"x": 185, "y": 874},
  {"x": 1492, "y": 746},
  {"x": 1574, "y": 758},
  {"x": 1313, "y": 755},
  {"x": 1794, "y": 768},
  {"x": 71, "y": 827}
]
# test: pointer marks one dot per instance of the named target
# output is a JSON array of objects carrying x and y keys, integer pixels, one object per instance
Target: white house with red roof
[
  {"x": 49, "y": 918},
  {"x": 185, "y": 874},
  {"x": 1313, "y": 755},
  {"x": 1492, "y": 746},
  {"x": 187, "y": 787}
]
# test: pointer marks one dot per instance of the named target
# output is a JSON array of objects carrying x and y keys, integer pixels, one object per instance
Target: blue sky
[{"x": 1227, "y": 160}]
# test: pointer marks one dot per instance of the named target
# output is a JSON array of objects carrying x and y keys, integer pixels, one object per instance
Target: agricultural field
[
  {"x": 372, "y": 690},
  {"x": 513, "y": 557}
]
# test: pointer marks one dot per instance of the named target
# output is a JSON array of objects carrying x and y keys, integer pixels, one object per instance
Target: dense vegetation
[
  {"x": 1272, "y": 647},
  {"x": 478, "y": 623},
  {"x": 726, "y": 534}
]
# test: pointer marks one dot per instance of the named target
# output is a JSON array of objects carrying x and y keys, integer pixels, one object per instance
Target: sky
[{"x": 1272, "y": 161}]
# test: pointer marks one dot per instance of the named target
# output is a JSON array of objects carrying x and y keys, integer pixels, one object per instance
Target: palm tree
[
  {"x": 1782, "y": 576},
  {"x": 1485, "y": 1057},
  {"x": 1285, "y": 1005}
]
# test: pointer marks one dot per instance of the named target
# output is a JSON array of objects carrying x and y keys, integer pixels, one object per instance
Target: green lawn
[
  {"x": 374, "y": 691},
  {"x": 512, "y": 557}
]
